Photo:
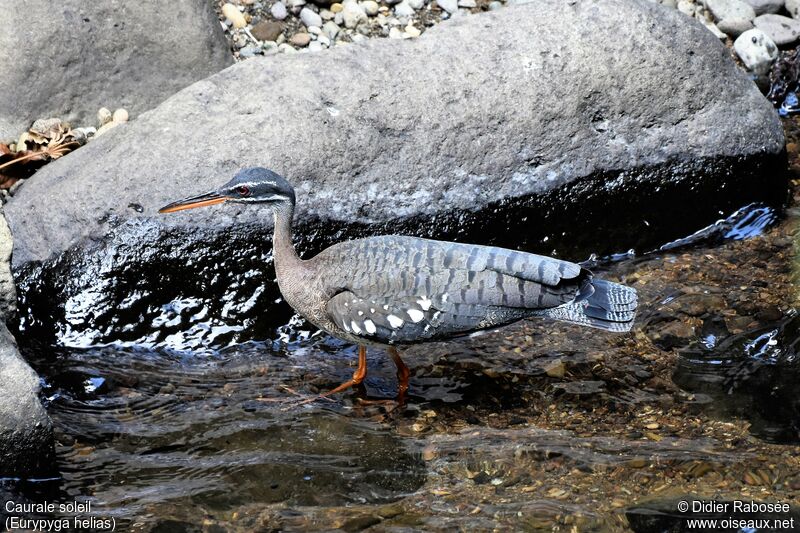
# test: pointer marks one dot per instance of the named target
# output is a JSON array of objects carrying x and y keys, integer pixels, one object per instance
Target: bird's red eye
[{"x": 244, "y": 191}]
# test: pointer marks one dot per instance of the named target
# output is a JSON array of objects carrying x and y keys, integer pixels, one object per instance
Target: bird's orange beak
[{"x": 202, "y": 200}]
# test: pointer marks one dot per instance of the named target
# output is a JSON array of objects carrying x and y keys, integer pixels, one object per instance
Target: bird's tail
[{"x": 603, "y": 304}]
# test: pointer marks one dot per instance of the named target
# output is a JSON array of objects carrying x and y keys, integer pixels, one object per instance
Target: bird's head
[{"x": 249, "y": 185}]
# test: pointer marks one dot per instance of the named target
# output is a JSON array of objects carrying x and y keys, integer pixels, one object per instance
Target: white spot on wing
[
  {"x": 395, "y": 321},
  {"x": 444, "y": 297},
  {"x": 361, "y": 313},
  {"x": 385, "y": 307},
  {"x": 424, "y": 303},
  {"x": 369, "y": 325},
  {"x": 346, "y": 328},
  {"x": 355, "y": 327},
  {"x": 416, "y": 315}
]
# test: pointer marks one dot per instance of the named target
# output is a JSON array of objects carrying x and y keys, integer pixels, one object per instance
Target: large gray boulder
[
  {"x": 69, "y": 58},
  {"x": 590, "y": 125},
  {"x": 26, "y": 434}
]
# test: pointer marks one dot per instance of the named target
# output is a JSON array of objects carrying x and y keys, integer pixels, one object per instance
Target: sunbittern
[{"x": 394, "y": 290}]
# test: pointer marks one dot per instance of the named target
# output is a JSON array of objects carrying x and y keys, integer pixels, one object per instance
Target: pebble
[
  {"x": 451, "y": 6},
  {"x": 331, "y": 29},
  {"x": 734, "y": 27},
  {"x": 412, "y": 31},
  {"x": 120, "y": 115},
  {"x": 103, "y": 116},
  {"x": 352, "y": 14},
  {"x": 314, "y": 30},
  {"x": 249, "y": 51},
  {"x": 495, "y": 5},
  {"x": 713, "y": 29},
  {"x": 294, "y": 4},
  {"x": 793, "y": 7},
  {"x": 555, "y": 369},
  {"x": 315, "y": 46},
  {"x": 324, "y": 40},
  {"x": 286, "y": 48},
  {"x": 239, "y": 40},
  {"x": 782, "y": 30},
  {"x": 404, "y": 9},
  {"x": 370, "y": 7},
  {"x": 730, "y": 9},
  {"x": 326, "y": 14},
  {"x": 267, "y": 30},
  {"x": 106, "y": 127},
  {"x": 416, "y": 4},
  {"x": 756, "y": 50},
  {"x": 278, "y": 11},
  {"x": 300, "y": 39},
  {"x": 686, "y": 7},
  {"x": 395, "y": 33},
  {"x": 310, "y": 17},
  {"x": 765, "y": 6},
  {"x": 336, "y": 8},
  {"x": 467, "y": 3},
  {"x": 232, "y": 13}
]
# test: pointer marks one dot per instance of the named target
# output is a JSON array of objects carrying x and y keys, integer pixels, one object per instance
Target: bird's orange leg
[
  {"x": 358, "y": 375},
  {"x": 402, "y": 374}
]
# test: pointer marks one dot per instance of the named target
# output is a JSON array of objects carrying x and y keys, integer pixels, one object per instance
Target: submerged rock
[
  {"x": 26, "y": 434},
  {"x": 70, "y": 58},
  {"x": 490, "y": 129},
  {"x": 752, "y": 375}
]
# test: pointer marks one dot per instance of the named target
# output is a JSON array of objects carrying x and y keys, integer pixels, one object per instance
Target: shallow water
[{"x": 534, "y": 426}]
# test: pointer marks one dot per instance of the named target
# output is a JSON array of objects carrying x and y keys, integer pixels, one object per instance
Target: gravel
[
  {"x": 278, "y": 11},
  {"x": 353, "y": 14},
  {"x": 404, "y": 10},
  {"x": 782, "y": 30},
  {"x": 310, "y": 18},
  {"x": 766, "y": 6},
  {"x": 451, "y": 6},
  {"x": 730, "y": 9},
  {"x": 734, "y": 27}
]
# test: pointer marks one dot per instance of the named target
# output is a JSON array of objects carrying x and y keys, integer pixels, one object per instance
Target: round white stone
[{"x": 756, "y": 50}]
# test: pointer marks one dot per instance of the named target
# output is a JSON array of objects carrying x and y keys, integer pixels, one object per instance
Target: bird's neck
[{"x": 284, "y": 254}]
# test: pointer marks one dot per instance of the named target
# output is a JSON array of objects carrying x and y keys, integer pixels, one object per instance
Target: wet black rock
[
  {"x": 534, "y": 134},
  {"x": 26, "y": 434}
]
